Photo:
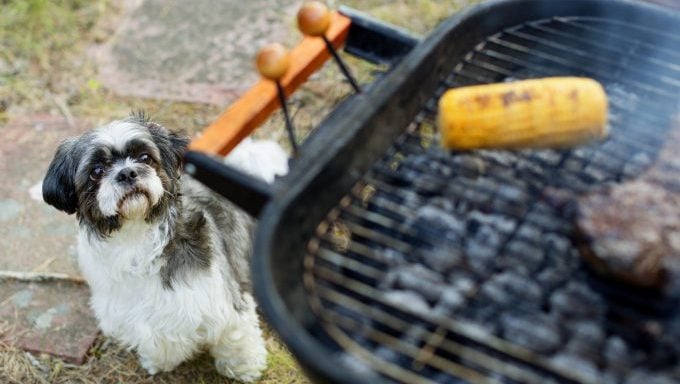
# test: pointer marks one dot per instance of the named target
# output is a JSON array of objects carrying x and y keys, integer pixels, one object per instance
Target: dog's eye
[
  {"x": 96, "y": 173},
  {"x": 144, "y": 158}
]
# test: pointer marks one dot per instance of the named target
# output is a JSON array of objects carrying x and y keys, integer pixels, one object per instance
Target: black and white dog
[{"x": 167, "y": 261}]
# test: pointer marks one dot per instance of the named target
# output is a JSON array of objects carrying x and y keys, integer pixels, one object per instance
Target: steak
[{"x": 631, "y": 231}]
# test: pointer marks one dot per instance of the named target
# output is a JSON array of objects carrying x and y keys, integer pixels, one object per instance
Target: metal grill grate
[{"x": 487, "y": 224}]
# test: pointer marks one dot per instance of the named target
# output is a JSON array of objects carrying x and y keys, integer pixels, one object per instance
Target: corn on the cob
[{"x": 550, "y": 112}]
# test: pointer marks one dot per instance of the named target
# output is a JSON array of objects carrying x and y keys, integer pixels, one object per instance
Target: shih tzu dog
[{"x": 167, "y": 260}]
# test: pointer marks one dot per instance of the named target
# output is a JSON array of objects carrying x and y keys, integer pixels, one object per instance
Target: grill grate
[{"x": 442, "y": 267}]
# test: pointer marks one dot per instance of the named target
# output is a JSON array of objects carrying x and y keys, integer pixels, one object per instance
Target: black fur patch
[
  {"x": 59, "y": 189},
  {"x": 189, "y": 250}
]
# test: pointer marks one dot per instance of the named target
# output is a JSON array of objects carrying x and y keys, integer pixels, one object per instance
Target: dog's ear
[
  {"x": 171, "y": 145},
  {"x": 58, "y": 188}
]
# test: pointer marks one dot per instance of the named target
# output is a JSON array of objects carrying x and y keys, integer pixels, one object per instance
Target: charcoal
[
  {"x": 538, "y": 333},
  {"x": 418, "y": 278},
  {"x": 577, "y": 366},
  {"x": 442, "y": 258},
  {"x": 556, "y": 244},
  {"x": 481, "y": 258},
  {"x": 641, "y": 376},
  {"x": 616, "y": 355},
  {"x": 391, "y": 356},
  {"x": 510, "y": 289},
  {"x": 637, "y": 164},
  {"x": 511, "y": 193},
  {"x": 468, "y": 165},
  {"x": 407, "y": 301},
  {"x": 462, "y": 281},
  {"x": 597, "y": 174},
  {"x": 585, "y": 339},
  {"x": 357, "y": 366},
  {"x": 551, "y": 278},
  {"x": 392, "y": 257},
  {"x": 576, "y": 300},
  {"x": 500, "y": 223},
  {"x": 523, "y": 256},
  {"x": 437, "y": 221},
  {"x": 529, "y": 232},
  {"x": 548, "y": 157},
  {"x": 450, "y": 301},
  {"x": 484, "y": 315}
]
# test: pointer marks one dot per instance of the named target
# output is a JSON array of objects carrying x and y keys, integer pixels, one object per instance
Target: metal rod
[
  {"x": 286, "y": 115},
  {"x": 342, "y": 65}
]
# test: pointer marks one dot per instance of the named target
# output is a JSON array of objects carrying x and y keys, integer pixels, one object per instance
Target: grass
[{"x": 44, "y": 69}]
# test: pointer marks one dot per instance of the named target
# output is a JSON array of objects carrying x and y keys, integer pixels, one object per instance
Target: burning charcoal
[
  {"x": 551, "y": 278},
  {"x": 418, "y": 278},
  {"x": 548, "y": 157},
  {"x": 501, "y": 223},
  {"x": 529, "y": 232},
  {"x": 450, "y": 301},
  {"x": 556, "y": 244},
  {"x": 357, "y": 366},
  {"x": 577, "y": 366},
  {"x": 544, "y": 216},
  {"x": 585, "y": 339},
  {"x": 522, "y": 256},
  {"x": 442, "y": 257},
  {"x": 510, "y": 289},
  {"x": 597, "y": 174},
  {"x": 392, "y": 257},
  {"x": 463, "y": 282},
  {"x": 576, "y": 300},
  {"x": 407, "y": 301},
  {"x": 438, "y": 222},
  {"x": 538, "y": 333},
  {"x": 511, "y": 193},
  {"x": 484, "y": 315},
  {"x": 641, "y": 376},
  {"x": 468, "y": 165},
  {"x": 637, "y": 164},
  {"x": 480, "y": 257},
  {"x": 390, "y": 355},
  {"x": 617, "y": 357}
]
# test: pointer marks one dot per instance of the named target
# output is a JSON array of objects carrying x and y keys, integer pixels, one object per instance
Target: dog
[{"x": 167, "y": 261}]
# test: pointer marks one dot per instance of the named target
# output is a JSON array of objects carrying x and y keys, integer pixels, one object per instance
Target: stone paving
[
  {"x": 50, "y": 317},
  {"x": 197, "y": 51}
]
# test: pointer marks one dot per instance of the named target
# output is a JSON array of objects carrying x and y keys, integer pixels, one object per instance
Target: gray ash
[{"x": 492, "y": 247}]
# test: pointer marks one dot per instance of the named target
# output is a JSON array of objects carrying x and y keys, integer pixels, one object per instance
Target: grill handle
[{"x": 249, "y": 193}]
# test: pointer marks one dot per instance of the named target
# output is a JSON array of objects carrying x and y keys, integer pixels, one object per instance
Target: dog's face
[{"x": 125, "y": 170}]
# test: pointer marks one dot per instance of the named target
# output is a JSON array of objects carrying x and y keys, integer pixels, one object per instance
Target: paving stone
[
  {"x": 33, "y": 234},
  {"x": 47, "y": 317},
  {"x": 197, "y": 51}
]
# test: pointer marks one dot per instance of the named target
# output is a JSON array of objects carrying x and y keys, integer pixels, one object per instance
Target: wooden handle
[
  {"x": 255, "y": 106},
  {"x": 552, "y": 112},
  {"x": 273, "y": 61},
  {"x": 314, "y": 18}
]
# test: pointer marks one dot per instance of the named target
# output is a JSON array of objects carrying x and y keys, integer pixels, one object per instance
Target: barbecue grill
[{"x": 382, "y": 257}]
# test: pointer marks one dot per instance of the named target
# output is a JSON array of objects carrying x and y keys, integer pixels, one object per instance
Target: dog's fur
[{"x": 166, "y": 260}]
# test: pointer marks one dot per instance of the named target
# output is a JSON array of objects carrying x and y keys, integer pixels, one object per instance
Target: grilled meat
[{"x": 632, "y": 230}]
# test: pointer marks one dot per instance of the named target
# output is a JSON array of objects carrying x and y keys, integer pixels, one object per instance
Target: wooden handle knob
[
  {"x": 314, "y": 18},
  {"x": 273, "y": 61}
]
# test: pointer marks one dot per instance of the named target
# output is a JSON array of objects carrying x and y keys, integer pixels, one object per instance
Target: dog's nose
[{"x": 126, "y": 175}]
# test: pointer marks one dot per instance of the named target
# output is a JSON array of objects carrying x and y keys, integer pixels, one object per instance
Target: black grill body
[{"x": 372, "y": 167}]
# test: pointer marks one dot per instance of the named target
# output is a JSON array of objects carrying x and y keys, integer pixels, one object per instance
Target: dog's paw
[
  {"x": 247, "y": 371},
  {"x": 149, "y": 366}
]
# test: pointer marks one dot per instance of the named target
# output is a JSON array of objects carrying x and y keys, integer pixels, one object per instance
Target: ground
[{"x": 71, "y": 65}]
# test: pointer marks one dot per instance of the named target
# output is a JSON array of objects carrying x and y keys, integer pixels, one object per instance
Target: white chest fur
[{"x": 129, "y": 299}]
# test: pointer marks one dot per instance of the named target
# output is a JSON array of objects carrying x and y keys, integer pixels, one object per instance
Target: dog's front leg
[
  {"x": 240, "y": 352},
  {"x": 163, "y": 355}
]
